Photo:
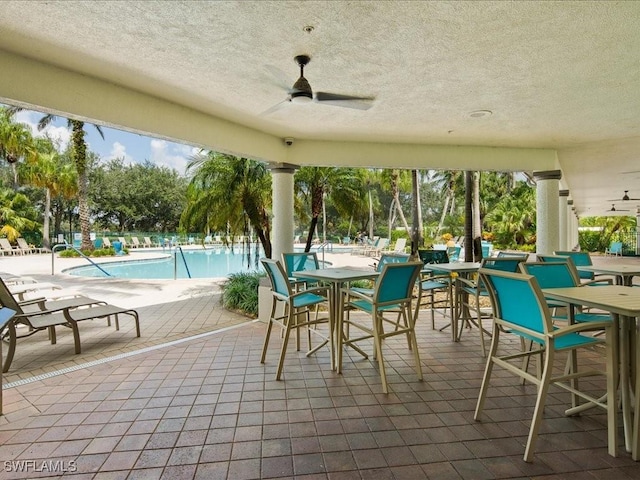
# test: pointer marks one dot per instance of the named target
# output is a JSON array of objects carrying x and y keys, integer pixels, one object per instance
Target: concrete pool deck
[{"x": 170, "y": 310}]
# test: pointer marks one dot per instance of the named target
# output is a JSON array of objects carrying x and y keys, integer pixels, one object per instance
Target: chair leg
[
  {"x": 285, "y": 342},
  {"x": 539, "y": 408},
  {"x": 11, "y": 332},
  {"x": 487, "y": 375},
  {"x": 377, "y": 341},
  {"x": 414, "y": 342},
  {"x": 268, "y": 332}
]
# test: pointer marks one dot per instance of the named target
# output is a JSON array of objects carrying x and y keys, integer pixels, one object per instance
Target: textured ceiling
[{"x": 561, "y": 75}]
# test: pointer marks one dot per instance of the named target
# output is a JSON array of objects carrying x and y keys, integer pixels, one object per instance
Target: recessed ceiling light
[
  {"x": 480, "y": 113},
  {"x": 308, "y": 28}
]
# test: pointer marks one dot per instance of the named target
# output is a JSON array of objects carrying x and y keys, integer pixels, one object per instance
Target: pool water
[{"x": 210, "y": 263}]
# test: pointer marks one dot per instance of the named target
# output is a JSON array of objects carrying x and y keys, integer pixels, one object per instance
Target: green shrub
[
  {"x": 240, "y": 292},
  {"x": 98, "y": 252}
]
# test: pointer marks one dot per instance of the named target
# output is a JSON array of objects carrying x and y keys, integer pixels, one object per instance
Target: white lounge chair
[
  {"x": 7, "y": 249},
  {"x": 66, "y": 312}
]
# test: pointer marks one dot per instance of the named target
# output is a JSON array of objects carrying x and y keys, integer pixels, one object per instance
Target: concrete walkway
[{"x": 169, "y": 310}]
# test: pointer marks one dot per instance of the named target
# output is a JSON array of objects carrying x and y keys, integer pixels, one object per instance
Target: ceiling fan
[
  {"x": 301, "y": 92},
  {"x": 614, "y": 209},
  {"x": 625, "y": 198}
]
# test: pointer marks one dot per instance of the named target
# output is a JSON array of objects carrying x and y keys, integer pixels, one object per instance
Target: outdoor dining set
[{"x": 539, "y": 315}]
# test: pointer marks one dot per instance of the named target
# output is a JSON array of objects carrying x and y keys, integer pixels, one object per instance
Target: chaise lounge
[{"x": 41, "y": 314}]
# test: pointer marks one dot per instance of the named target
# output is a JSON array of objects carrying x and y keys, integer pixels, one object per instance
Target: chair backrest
[
  {"x": 5, "y": 245},
  {"x": 615, "y": 247},
  {"x": 505, "y": 264},
  {"x": 454, "y": 253},
  {"x": 22, "y": 243},
  {"x": 391, "y": 258},
  {"x": 298, "y": 261},
  {"x": 395, "y": 282},
  {"x": 552, "y": 274},
  {"x": 553, "y": 258},
  {"x": 7, "y": 299},
  {"x": 433, "y": 256},
  {"x": 580, "y": 259},
  {"x": 517, "y": 300},
  {"x": 400, "y": 245},
  {"x": 279, "y": 281},
  {"x": 486, "y": 249},
  {"x": 523, "y": 255}
]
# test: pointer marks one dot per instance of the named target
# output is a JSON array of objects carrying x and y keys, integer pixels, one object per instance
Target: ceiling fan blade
[
  {"x": 279, "y": 78},
  {"x": 276, "y": 107},
  {"x": 347, "y": 101}
]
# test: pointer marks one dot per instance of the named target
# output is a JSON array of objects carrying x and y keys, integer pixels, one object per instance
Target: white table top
[
  {"x": 613, "y": 269},
  {"x": 338, "y": 274},
  {"x": 612, "y": 298},
  {"x": 453, "y": 266}
]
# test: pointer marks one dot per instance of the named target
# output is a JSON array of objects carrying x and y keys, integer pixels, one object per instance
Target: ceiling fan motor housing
[{"x": 301, "y": 91}]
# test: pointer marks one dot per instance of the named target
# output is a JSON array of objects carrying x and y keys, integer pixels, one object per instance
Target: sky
[{"x": 131, "y": 147}]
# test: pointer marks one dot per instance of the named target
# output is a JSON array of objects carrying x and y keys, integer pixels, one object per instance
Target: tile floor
[{"x": 206, "y": 408}]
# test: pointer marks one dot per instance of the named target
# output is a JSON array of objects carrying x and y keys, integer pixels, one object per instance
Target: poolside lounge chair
[
  {"x": 135, "y": 243},
  {"x": 106, "y": 243},
  {"x": 66, "y": 313},
  {"x": 123, "y": 242},
  {"x": 399, "y": 246},
  {"x": 614, "y": 249},
  {"x": 26, "y": 248},
  {"x": 7, "y": 249},
  {"x": 147, "y": 242}
]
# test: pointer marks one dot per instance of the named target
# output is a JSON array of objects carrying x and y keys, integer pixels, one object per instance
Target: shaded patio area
[{"x": 206, "y": 408}]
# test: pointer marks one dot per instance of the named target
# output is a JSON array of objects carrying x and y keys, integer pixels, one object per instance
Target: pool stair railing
[
  {"x": 66, "y": 246},
  {"x": 177, "y": 249}
]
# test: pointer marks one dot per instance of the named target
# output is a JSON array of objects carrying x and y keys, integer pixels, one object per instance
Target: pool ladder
[
  {"x": 66, "y": 246},
  {"x": 175, "y": 262}
]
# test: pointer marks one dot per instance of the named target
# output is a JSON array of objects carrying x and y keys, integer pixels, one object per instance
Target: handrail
[
  {"x": 323, "y": 246},
  {"x": 66, "y": 246},
  {"x": 175, "y": 262}
]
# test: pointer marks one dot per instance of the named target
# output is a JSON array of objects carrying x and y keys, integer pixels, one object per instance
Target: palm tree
[
  {"x": 451, "y": 182},
  {"x": 15, "y": 212},
  {"x": 314, "y": 182},
  {"x": 229, "y": 191},
  {"x": 53, "y": 172},
  {"x": 514, "y": 217},
  {"x": 80, "y": 159},
  {"x": 16, "y": 141}
]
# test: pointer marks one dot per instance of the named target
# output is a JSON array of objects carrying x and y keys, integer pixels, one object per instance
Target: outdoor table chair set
[{"x": 532, "y": 302}]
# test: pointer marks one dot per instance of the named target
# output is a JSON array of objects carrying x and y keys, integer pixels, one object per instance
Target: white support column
[
  {"x": 573, "y": 225},
  {"x": 548, "y": 217},
  {"x": 282, "y": 197},
  {"x": 564, "y": 220}
]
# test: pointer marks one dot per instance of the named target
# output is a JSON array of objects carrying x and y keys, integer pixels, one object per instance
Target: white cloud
[
  {"x": 118, "y": 150},
  {"x": 170, "y": 155},
  {"x": 59, "y": 135}
]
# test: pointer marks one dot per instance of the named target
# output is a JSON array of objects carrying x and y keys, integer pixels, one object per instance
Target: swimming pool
[{"x": 210, "y": 263}]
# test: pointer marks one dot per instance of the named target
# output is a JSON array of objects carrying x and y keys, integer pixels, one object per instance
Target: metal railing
[
  {"x": 178, "y": 248},
  {"x": 66, "y": 246},
  {"x": 323, "y": 247}
]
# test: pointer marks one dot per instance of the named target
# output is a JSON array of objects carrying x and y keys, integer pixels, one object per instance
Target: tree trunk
[
  {"x": 416, "y": 210},
  {"x": 477, "y": 226},
  {"x": 80, "y": 157},
  {"x": 370, "y": 215},
  {"x": 46, "y": 240},
  {"x": 468, "y": 216},
  {"x": 312, "y": 229}
]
